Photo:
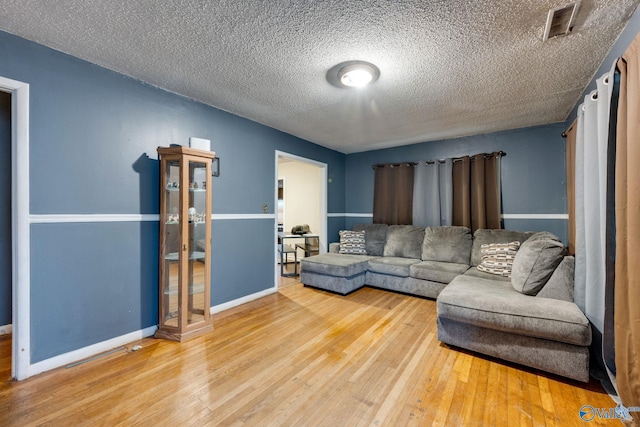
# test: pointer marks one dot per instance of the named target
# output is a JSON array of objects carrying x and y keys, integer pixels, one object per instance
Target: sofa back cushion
[
  {"x": 447, "y": 244},
  {"x": 484, "y": 236},
  {"x": 375, "y": 237},
  {"x": 560, "y": 284},
  {"x": 535, "y": 262},
  {"x": 404, "y": 241}
]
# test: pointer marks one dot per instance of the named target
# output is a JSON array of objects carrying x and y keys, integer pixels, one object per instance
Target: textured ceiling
[{"x": 448, "y": 67}]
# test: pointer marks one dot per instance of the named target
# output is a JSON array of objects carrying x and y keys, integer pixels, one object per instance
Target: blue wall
[
  {"x": 620, "y": 46},
  {"x": 5, "y": 210},
  {"x": 533, "y": 173},
  {"x": 93, "y": 140}
]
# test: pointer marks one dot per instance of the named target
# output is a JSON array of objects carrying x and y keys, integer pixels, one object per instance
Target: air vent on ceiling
[{"x": 560, "y": 20}]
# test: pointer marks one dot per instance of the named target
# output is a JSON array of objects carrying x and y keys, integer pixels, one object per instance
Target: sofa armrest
[{"x": 334, "y": 248}]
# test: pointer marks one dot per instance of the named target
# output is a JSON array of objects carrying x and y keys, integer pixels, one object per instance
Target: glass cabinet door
[
  {"x": 196, "y": 243},
  {"x": 171, "y": 247}
]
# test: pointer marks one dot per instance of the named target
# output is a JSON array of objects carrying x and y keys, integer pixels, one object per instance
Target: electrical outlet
[{"x": 265, "y": 208}]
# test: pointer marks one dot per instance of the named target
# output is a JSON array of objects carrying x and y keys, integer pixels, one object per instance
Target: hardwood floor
[
  {"x": 5, "y": 357},
  {"x": 283, "y": 282},
  {"x": 302, "y": 357}
]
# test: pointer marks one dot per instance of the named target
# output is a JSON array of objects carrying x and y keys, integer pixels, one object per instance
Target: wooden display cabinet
[{"x": 185, "y": 243}]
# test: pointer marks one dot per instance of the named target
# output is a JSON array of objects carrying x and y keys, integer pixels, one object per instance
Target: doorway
[
  {"x": 300, "y": 199},
  {"x": 6, "y": 256},
  {"x": 21, "y": 367}
]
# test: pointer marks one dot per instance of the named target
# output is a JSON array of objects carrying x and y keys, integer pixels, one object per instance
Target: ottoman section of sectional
[{"x": 338, "y": 273}]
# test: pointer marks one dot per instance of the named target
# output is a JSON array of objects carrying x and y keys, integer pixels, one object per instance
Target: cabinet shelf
[
  {"x": 193, "y": 290},
  {"x": 174, "y": 256},
  {"x": 190, "y": 222},
  {"x": 191, "y": 190}
]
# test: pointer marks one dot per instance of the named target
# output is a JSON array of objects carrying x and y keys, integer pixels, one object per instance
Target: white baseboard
[
  {"x": 92, "y": 350},
  {"x": 236, "y": 302},
  {"x": 101, "y": 347},
  {"x": 6, "y": 329}
]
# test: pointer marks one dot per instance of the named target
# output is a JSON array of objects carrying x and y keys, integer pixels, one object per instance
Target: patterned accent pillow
[
  {"x": 352, "y": 242},
  {"x": 497, "y": 258}
]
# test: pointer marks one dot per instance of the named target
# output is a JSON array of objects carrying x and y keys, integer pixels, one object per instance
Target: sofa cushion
[
  {"x": 560, "y": 284},
  {"x": 336, "y": 264},
  {"x": 404, "y": 241},
  {"x": 352, "y": 242},
  {"x": 340, "y": 285},
  {"x": 448, "y": 244},
  {"x": 474, "y": 272},
  {"x": 494, "y": 304},
  {"x": 535, "y": 262},
  {"x": 437, "y": 271},
  {"x": 394, "y": 266},
  {"x": 485, "y": 236},
  {"x": 497, "y": 258},
  {"x": 407, "y": 285},
  {"x": 375, "y": 237}
]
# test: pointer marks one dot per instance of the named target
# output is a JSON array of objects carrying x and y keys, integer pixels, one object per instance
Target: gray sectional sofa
[{"x": 529, "y": 318}]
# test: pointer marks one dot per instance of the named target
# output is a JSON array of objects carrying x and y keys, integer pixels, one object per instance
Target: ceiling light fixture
[{"x": 353, "y": 74}]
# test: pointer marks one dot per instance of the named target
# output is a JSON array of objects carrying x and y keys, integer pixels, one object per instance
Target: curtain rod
[
  {"x": 485, "y": 155},
  {"x": 394, "y": 165},
  {"x": 430, "y": 162},
  {"x": 564, "y": 134},
  {"x": 594, "y": 97}
]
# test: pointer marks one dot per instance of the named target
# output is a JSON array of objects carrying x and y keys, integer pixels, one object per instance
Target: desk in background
[{"x": 311, "y": 246}]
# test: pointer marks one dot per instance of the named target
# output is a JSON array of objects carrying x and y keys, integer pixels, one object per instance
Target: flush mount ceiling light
[{"x": 353, "y": 74}]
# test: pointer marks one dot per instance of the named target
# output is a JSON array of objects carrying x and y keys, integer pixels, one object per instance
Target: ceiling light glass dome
[
  {"x": 353, "y": 74},
  {"x": 356, "y": 75}
]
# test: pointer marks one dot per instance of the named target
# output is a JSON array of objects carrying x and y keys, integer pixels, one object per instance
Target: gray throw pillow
[
  {"x": 535, "y": 262},
  {"x": 560, "y": 284}
]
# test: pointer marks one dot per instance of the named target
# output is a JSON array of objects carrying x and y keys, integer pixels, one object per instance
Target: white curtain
[
  {"x": 595, "y": 122},
  {"x": 433, "y": 193},
  {"x": 591, "y": 203}
]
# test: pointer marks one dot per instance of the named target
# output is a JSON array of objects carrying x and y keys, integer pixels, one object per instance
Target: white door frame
[
  {"x": 322, "y": 184},
  {"x": 20, "y": 232}
]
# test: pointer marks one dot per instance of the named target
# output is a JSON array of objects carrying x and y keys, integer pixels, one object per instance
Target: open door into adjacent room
[
  {"x": 6, "y": 256},
  {"x": 300, "y": 199}
]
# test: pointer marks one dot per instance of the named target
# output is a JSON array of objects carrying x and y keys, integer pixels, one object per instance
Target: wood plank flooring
[{"x": 302, "y": 357}]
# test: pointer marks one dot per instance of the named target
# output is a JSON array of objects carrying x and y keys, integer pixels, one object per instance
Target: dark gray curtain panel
[
  {"x": 571, "y": 183},
  {"x": 433, "y": 193}
]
